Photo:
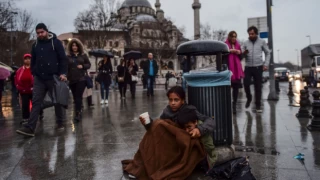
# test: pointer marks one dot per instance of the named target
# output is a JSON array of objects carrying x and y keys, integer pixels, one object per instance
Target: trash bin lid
[
  {"x": 208, "y": 79},
  {"x": 199, "y": 47}
]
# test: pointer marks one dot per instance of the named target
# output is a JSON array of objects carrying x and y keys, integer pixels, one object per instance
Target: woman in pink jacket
[{"x": 235, "y": 66}]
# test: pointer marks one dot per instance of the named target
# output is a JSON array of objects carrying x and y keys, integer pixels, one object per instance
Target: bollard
[
  {"x": 315, "y": 122},
  {"x": 303, "y": 111},
  {"x": 277, "y": 86},
  {"x": 306, "y": 88},
  {"x": 290, "y": 93}
]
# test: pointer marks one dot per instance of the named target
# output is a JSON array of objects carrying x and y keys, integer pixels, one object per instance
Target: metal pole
[
  {"x": 273, "y": 94},
  {"x": 11, "y": 41},
  {"x": 297, "y": 58},
  {"x": 278, "y": 55},
  {"x": 309, "y": 39}
]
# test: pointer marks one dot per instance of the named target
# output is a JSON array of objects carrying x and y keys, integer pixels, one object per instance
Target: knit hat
[{"x": 42, "y": 26}]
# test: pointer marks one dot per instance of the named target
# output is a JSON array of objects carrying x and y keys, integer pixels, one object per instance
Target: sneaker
[
  {"x": 106, "y": 101},
  {"x": 24, "y": 122},
  {"x": 60, "y": 127},
  {"x": 102, "y": 102},
  {"x": 248, "y": 103},
  {"x": 25, "y": 131},
  {"x": 259, "y": 110}
]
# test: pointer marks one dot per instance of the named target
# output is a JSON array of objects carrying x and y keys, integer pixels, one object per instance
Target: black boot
[
  {"x": 78, "y": 116},
  {"x": 89, "y": 100}
]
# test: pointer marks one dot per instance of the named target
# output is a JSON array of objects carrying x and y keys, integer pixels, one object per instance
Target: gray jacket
[
  {"x": 208, "y": 123},
  {"x": 254, "y": 57}
]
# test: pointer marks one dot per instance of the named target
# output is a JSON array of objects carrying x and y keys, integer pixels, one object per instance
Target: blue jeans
[
  {"x": 102, "y": 89},
  {"x": 150, "y": 81}
]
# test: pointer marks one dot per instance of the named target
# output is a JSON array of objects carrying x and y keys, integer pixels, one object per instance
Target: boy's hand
[
  {"x": 142, "y": 120},
  {"x": 195, "y": 133}
]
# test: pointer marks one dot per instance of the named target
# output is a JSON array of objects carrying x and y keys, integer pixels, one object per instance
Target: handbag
[
  {"x": 89, "y": 82},
  {"x": 121, "y": 79},
  {"x": 134, "y": 78}
]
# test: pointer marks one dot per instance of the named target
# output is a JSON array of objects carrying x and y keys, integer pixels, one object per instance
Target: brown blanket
[{"x": 165, "y": 152}]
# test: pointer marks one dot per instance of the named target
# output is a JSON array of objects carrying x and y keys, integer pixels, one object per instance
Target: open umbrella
[
  {"x": 132, "y": 55},
  {"x": 100, "y": 53},
  {"x": 4, "y": 73},
  {"x": 2, "y": 65}
]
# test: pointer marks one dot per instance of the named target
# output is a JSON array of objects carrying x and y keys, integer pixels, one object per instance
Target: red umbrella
[{"x": 4, "y": 73}]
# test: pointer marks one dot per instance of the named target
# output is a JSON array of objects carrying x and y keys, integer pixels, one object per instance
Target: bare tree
[
  {"x": 208, "y": 33},
  {"x": 96, "y": 21},
  {"x": 6, "y": 9}
]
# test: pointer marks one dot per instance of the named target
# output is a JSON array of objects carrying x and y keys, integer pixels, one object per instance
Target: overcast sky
[{"x": 293, "y": 20}]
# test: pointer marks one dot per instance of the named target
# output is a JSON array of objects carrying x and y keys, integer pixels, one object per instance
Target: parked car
[{"x": 281, "y": 74}]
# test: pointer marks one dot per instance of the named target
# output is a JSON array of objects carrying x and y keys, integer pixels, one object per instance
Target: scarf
[{"x": 234, "y": 63}]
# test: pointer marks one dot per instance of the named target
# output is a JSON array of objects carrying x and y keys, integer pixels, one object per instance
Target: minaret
[
  {"x": 196, "y": 7},
  {"x": 159, "y": 12},
  {"x": 158, "y": 5}
]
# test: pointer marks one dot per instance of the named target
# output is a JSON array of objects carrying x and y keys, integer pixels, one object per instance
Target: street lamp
[
  {"x": 11, "y": 49},
  {"x": 298, "y": 58},
  {"x": 279, "y": 56},
  {"x": 309, "y": 39}
]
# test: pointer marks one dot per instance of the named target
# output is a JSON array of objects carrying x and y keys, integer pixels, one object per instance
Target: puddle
[{"x": 268, "y": 151}]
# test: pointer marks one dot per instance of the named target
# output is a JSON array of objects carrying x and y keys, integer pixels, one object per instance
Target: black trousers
[
  {"x": 235, "y": 92},
  {"x": 122, "y": 88},
  {"x": 77, "y": 90},
  {"x": 133, "y": 87},
  {"x": 256, "y": 74},
  {"x": 40, "y": 88},
  {"x": 25, "y": 103}
]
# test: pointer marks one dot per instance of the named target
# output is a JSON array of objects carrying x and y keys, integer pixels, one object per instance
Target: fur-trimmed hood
[{"x": 79, "y": 43}]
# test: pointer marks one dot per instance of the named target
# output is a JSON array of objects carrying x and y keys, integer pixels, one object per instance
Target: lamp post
[
  {"x": 298, "y": 58},
  {"x": 278, "y": 55},
  {"x": 273, "y": 96},
  {"x": 11, "y": 49},
  {"x": 309, "y": 39}
]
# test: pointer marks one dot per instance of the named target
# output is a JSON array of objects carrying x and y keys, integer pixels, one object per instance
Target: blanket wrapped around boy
[{"x": 165, "y": 152}]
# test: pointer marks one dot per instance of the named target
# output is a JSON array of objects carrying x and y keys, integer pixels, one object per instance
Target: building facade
[{"x": 136, "y": 26}]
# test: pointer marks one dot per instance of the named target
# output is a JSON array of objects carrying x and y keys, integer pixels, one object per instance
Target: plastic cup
[{"x": 146, "y": 117}]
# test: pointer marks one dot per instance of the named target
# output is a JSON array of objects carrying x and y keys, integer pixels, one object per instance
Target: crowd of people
[{"x": 48, "y": 58}]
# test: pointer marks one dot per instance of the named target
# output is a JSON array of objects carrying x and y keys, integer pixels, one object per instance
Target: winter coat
[
  {"x": 48, "y": 58},
  {"x": 255, "y": 48},
  {"x": 105, "y": 71},
  {"x": 24, "y": 80},
  {"x": 146, "y": 68},
  {"x": 207, "y": 127},
  {"x": 123, "y": 72},
  {"x": 234, "y": 63},
  {"x": 74, "y": 73}
]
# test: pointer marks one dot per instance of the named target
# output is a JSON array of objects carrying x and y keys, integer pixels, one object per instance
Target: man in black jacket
[
  {"x": 48, "y": 59},
  {"x": 150, "y": 70}
]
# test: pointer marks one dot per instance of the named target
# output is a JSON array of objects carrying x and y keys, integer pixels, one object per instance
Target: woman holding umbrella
[
  {"x": 133, "y": 69},
  {"x": 104, "y": 78}
]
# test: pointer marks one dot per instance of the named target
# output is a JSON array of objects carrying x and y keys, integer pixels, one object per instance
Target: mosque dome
[{"x": 136, "y": 3}]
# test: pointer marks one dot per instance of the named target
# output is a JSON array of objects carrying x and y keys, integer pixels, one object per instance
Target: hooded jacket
[
  {"x": 208, "y": 123},
  {"x": 74, "y": 73},
  {"x": 48, "y": 58}
]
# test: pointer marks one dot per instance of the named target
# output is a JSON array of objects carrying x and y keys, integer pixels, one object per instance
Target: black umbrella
[
  {"x": 132, "y": 55},
  {"x": 100, "y": 53},
  {"x": 198, "y": 48}
]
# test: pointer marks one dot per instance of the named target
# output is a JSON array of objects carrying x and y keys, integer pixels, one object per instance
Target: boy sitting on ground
[{"x": 187, "y": 119}]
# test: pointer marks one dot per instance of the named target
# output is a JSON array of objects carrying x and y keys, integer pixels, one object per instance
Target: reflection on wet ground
[{"x": 94, "y": 148}]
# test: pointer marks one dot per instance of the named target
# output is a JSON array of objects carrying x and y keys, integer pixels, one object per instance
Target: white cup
[{"x": 146, "y": 117}]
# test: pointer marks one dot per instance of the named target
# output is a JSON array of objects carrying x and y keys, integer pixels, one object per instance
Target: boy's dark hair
[
  {"x": 255, "y": 29},
  {"x": 186, "y": 115},
  {"x": 177, "y": 90}
]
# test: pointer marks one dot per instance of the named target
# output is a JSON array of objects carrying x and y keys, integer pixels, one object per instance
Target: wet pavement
[{"x": 94, "y": 148}]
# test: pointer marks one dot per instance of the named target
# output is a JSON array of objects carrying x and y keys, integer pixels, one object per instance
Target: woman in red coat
[{"x": 24, "y": 84}]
